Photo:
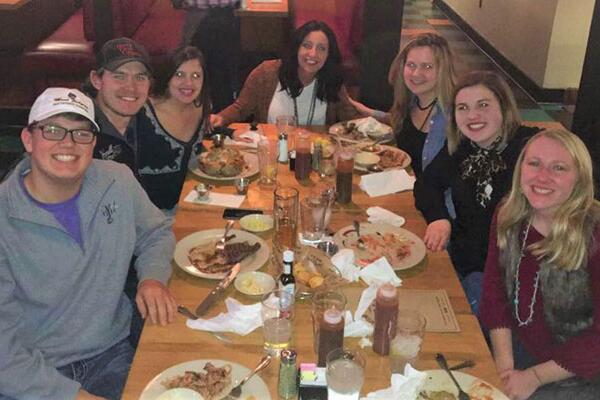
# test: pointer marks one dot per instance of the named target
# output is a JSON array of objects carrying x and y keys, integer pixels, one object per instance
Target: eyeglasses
[{"x": 58, "y": 133}]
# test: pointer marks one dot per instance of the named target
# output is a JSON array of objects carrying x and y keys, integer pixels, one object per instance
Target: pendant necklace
[
  {"x": 311, "y": 109},
  {"x": 535, "y": 285}
]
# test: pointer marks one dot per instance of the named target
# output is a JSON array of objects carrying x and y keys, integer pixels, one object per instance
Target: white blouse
[{"x": 283, "y": 104}]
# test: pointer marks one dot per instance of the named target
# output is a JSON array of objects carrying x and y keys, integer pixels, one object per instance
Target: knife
[{"x": 215, "y": 293}]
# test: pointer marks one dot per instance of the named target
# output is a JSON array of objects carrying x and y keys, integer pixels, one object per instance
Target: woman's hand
[
  {"x": 437, "y": 235},
  {"x": 215, "y": 120},
  {"x": 519, "y": 385}
]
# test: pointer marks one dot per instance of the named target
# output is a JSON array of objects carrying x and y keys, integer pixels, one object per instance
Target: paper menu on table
[{"x": 433, "y": 304}]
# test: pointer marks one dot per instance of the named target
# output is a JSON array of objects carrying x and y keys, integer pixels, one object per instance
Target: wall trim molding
[{"x": 538, "y": 93}]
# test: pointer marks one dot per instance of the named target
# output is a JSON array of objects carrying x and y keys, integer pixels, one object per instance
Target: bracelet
[{"x": 536, "y": 375}]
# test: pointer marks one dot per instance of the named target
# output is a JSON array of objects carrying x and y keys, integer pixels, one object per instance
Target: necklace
[
  {"x": 427, "y": 106},
  {"x": 536, "y": 284},
  {"x": 428, "y": 113},
  {"x": 311, "y": 109}
]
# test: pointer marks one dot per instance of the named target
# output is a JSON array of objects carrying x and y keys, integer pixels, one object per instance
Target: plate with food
[
  {"x": 403, "y": 249},
  {"x": 389, "y": 157},
  {"x": 362, "y": 129},
  {"x": 313, "y": 271},
  {"x": 254, "y": 283},
  {"x": 197, "y": 254},
  {"x": 224, "y": 163},
  {"x": 213, "y": 379},
  {"x": 438, "y": 386}
]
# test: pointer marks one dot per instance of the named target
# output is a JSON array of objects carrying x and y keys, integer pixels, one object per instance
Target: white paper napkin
[
  {"x": 239, "y": 318},
  {"x": 386, "y": 182},
  {"x": 344, "y": 262},
  {"x": 356, "y": 327},
  {"x": 368, "y": 124},
  {"x": 380, "y": 272},
  {"x": 216, "y": 199},
  {"x": 252, "y": 139},
  {"x": 404, "y": 386},
  {"x": 381, "y": 215}
]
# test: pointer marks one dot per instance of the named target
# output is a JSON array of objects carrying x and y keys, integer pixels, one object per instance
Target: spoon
[
  {"x": 237, "y": 390},
  {"x": 441, "y": 360}
]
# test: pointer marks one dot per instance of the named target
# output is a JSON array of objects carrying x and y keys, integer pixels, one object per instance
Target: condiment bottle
[
  {"x": 288, "y": 375},
  {"x": 331, "y": 333},
  {"x": 283, "y": 148},
  {"x": 286, "y": 279},
  {"x": 316, "y": 156},
  {"x": 292, "y": 160},
  {"x": 386, "y": 315}
]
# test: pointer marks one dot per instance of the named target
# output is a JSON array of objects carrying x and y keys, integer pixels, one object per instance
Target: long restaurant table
[{"x": 161, "y": 347}]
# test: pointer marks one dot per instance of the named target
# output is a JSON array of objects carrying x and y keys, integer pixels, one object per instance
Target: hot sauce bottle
[{"x": 386, "y": 314}]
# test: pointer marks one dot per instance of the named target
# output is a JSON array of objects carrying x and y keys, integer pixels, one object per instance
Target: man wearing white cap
[{"x": 70, "y": 226}]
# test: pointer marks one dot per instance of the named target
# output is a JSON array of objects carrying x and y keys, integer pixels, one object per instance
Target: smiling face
[
  {"x": 478, "y": 115},
  {"x": 548, "y": 175},
  {"x": 312, "y": 55},
  {"x": 420, "y": 73},
  {"x": 122, "y": 92},
  {"x": 58, "y": 164},
  {"x": 186, "y": 83}
]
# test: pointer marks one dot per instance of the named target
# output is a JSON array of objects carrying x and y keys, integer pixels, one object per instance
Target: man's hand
[
  {"x": 154, "y": 300},
  {"x": 83, "y": 395},
  {"x": 519, "y": 385},
  {"x": 437, "y": 235}
]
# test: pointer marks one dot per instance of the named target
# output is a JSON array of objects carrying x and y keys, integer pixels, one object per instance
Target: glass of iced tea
[{"x": 285, "y": 215}]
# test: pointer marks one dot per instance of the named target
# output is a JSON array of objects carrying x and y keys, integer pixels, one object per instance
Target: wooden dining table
[{"x": 161, "y": 347}]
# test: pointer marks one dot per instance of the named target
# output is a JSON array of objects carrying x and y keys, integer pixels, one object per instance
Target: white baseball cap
[{"x": 57, "y": 100}]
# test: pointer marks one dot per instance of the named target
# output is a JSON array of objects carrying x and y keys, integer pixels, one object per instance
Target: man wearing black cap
[{"x": 122, "y": 81}]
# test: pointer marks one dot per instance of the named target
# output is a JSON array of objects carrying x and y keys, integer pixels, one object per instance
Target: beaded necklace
[{"x": 536, "y": 284}]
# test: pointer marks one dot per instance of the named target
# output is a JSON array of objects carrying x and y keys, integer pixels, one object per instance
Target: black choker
[{"x": 427, "y": 106}]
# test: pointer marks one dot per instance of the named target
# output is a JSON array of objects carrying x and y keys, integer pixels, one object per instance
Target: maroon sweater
[{"x": 581, "y": 353}]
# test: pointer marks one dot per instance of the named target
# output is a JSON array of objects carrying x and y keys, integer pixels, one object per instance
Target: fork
[
  {"x": 441, "y": 360},
  {"x": 237, "y": 390},
  {"x": 220, "y": 246},
  {"x": 361, "y": 244}
]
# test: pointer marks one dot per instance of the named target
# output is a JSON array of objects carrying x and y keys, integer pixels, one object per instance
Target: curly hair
[{"x": 329, "y": 77}]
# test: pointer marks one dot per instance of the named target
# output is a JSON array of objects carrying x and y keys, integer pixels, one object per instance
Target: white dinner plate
[
  {"x": 346, "y": 238},
  {"x": 478, "y": 389},
  {"x": 250, "y": 263},
  {"x": 250, "y": 169},
  {"x": 254, "y": 387},
  {"x": 338, "y": 129},
  {"x": 405, "y": 163}
]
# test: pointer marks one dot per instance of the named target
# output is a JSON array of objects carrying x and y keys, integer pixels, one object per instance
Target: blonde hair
[
  {"x": 511, "y": 120},
  {"x": 444, "y": 62},
  {"x": 567, "y": 244}
]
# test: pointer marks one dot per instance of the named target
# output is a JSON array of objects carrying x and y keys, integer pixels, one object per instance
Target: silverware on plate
[
  {"x": 441, "y": 360},
  {"x": 360, "y": 243},
  {"x": 215, "y": 293},
  {"x": 262, "y": 364}
]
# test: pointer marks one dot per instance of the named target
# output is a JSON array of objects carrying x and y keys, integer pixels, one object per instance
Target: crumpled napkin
[
  {"x": 357, "y": 326},
  {"x": 379, "y": 272},
  {"x": 252, "y": 138},
  {"x": 368, "y": 125},
  {"x": 386, "y": 182},
  {"x": 344, "y": 262},
  {"x": 381, "y": 215},
  {"x": 239, "y": 318},
  {"x": 404, "y": 386}
]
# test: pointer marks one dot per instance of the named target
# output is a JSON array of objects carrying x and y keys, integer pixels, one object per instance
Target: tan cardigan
[{"x": 257, "y": 93}]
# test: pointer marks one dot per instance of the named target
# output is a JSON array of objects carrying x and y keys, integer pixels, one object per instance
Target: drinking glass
[
  {"x": 285, "y": 215},
  {"x": 405, "y": 343},
  {"x": 312, "y": 213},
  {"x": 268, "y": 152},
  {"x": 345, "y": 374},
  {"x": 344, "y": 168},
  {"x": 277, "y": 312},
  {"x": 303, "y": 156}
]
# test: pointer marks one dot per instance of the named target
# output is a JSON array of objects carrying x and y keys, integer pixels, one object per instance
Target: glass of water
[
  {"x": 345, "y": 374},
  {"x": 277, "y": 312}
]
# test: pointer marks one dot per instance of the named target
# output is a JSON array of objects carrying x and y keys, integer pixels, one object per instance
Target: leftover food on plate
[
  {"x": 360, "y": 129},
  {"x": 391, "y": 158},
  {"x": 391, "y": 245},
  {"x": 254, "y": 283},
  {"x": 212, "y": 383},
  {"x": 437, "y": 395},
  {"x": 206, "y": 258},
  {"x": 221, "y": 162}
]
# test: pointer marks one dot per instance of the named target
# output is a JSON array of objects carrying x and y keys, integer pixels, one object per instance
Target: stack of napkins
[
  {"x": 249, "y": 139},
  {"x": 386, "y": 182},
  {"x": 239, "y": 318},
  {"x": 379, "y": 215},
  {"x": 404, "y": 386},
  {"x": 216, "y": 199}
]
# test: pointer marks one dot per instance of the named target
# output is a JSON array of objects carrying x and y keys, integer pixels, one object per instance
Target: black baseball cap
[{"x": 117, "y": 52}]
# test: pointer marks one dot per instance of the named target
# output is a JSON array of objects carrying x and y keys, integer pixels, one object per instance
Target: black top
[
  {"x": 412, "y": 141},
  {"x": 162, "y": 160},
  {"x": 470, "y": 230}
]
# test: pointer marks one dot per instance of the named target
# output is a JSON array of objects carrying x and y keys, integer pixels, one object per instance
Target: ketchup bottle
[
  {"x": 331, "y": 333},
  {"x": 386, "y": 315}
]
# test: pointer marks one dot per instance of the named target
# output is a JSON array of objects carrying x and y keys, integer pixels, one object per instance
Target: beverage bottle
[
  {"x": 386, "y": 314},
  {"x": 331, "y": 333},
  {"x": 283, "y": 148},
  {"x": 287, "y": 387},
  {"x": 286, "y": 279}
]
